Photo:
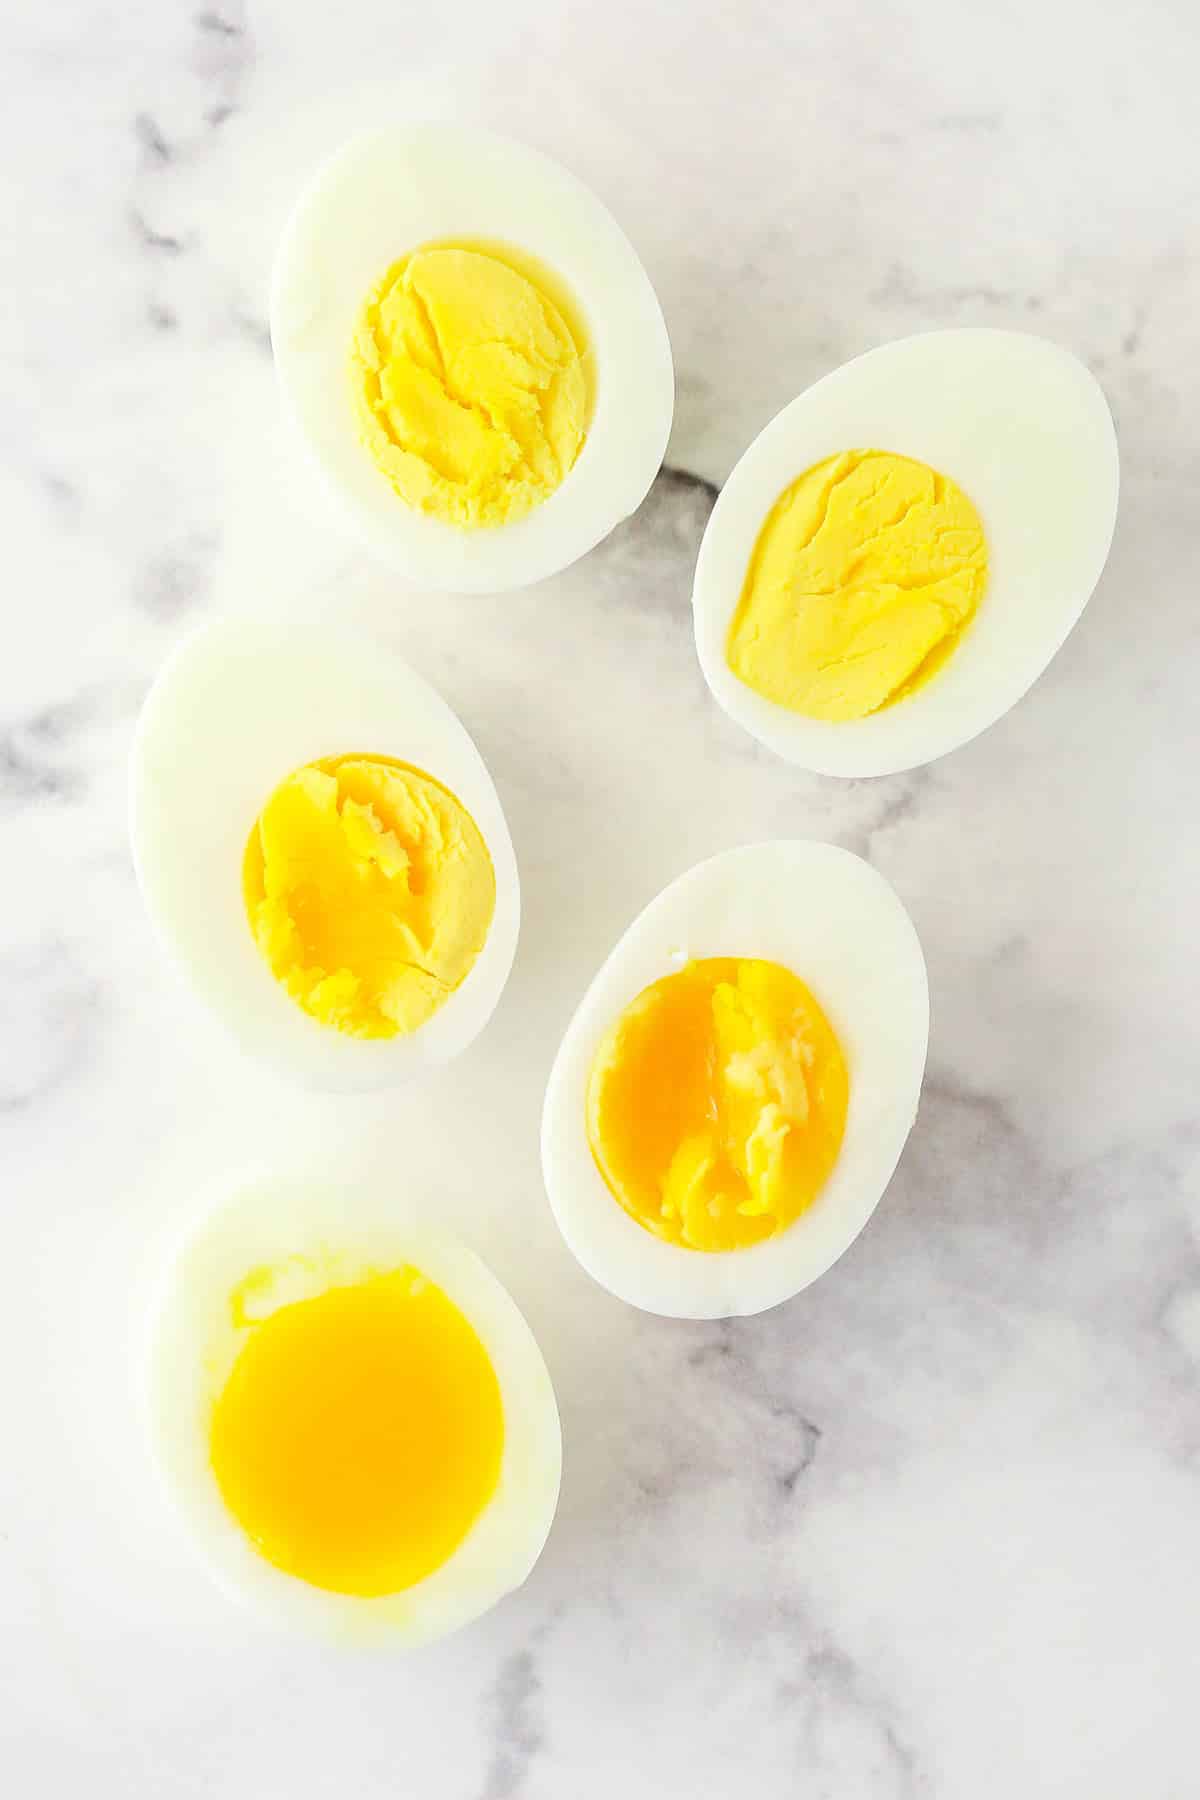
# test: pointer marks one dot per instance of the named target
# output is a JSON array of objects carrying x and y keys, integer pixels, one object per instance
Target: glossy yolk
[
  {"x": 865, "y": 575},
  {"x": 359, "y": 1434},
  {"x": 717, "y": 1102},
  {"x": 370, "y": 891},
  {"x": 472, "y": 382}
]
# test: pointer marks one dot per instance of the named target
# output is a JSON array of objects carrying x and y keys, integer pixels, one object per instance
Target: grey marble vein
[
  {"x": 517, "y": 1731},
  {"x": 179, "y": 578}
]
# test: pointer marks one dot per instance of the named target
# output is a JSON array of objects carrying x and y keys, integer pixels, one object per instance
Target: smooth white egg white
[
  {"x": 239, "y": 706},
  {"x": 321, "y": 1237},
  {"x": 1024, "y": 429},
  {"x": 386, "y": 193},
  {"x": 830, "y": 918}
]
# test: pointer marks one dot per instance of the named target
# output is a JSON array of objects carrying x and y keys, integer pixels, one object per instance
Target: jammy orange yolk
[
  {"x": 359, "y": 1434},
  {"x": 370, "y": 891},
  {"x": 717, "y": 1102}
]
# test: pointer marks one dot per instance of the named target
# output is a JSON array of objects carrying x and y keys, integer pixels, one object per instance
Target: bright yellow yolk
[
  {"x": 716, "y": 1103},
  {"x": 865, "y": 575},
  {"x": 359, "y": 1434},
  {"x": 473, "y": 391},
  {"x": 370, "y": 891}
]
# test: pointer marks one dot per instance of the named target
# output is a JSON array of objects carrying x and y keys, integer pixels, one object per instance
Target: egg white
[
  {"x": 386, "y": 193},
  {"x": 830, "y": 918},
  {"x": 1024, "y": 429},
  {"x": 325, "y": 1238},
  {"x": 238, "y": 707}
]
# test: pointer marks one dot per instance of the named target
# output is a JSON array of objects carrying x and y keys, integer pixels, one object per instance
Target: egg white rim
[
  {"x": 254, "y": 701},
  {"x": 266, "y": 1218},
  {"x": 383, "y": 194},
  {"x": 850, "y": 921},
  {"x": 906, "y": 397}
]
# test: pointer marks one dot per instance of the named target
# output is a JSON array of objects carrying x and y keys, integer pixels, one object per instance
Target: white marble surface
[{"x": 934, "y": 1528}]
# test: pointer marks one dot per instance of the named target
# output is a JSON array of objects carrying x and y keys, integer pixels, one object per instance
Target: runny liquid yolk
[
  {"x": 359, "y": 1434},
  {"x": 865, "y": 575},
  {"x": 472, "y": 382},
  {"x": 717, "y": 1102},
  {"x": 370, "y": 892}
]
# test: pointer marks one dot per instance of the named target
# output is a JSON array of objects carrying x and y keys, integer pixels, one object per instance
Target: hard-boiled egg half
[
  {"x": 473, "y": 354},
  {"x": 735, "y": 1089},
  {"x": 350, "y": 1412},
  {"x": 322, "y": 851},
  {"x": 898, "y": 556}
]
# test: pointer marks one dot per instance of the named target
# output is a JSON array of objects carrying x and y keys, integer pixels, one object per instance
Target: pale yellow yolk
[
  {"x": 370, "y": 891},
  {"x": 865, "y": 575},
  {"x": 473, "y": 391},
  {"x": 359, "y": 1434},
  {"x": 716, "y": 1103}
]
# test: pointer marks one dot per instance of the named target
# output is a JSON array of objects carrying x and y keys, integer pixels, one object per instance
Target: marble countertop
[{"x": 930, "y": 1530}]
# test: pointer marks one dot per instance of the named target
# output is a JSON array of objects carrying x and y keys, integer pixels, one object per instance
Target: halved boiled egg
[
  {"x": 322, "y": 851},
  {"x": 350, "y": 1412},
  {"x": 899, "y": 554},
  {"x": 473, "y": 354},
  {"x": 735, "y": 1089}
]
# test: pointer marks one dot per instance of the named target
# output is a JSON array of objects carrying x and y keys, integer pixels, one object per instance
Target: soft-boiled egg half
[
  {"x": 473, "y": 353},
  {"x": 899, "y": 554},
  {"x": 350, "y": 1412},
  {"x": 322, "y": 851},
  {"x": 735, "y": 1089}
]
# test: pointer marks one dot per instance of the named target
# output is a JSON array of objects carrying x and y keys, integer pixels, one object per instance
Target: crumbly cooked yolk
[
  {"x": 359, "y": 1434},
  {"x": 868, "y": 570},
  {"x": 472, "y": 382},
  {"x": 716, "y": 1103},
  {"x": 370, "y": 891}
]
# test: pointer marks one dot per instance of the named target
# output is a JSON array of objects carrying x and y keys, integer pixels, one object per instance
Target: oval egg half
[
  {"x": 1024, "y": 430},
  {"x": 276, "y": 1242},
  {"x": 239, "y": 707},
  {"x": 827, "y": 917},
  {"x": 389, "y": 193}
]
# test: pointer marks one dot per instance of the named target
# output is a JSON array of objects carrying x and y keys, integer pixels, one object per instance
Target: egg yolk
[
  {"x": 716, "y": 1103},
  {"x": 359, "y": 1434},
  {"x": 868, "y": 570},
  {"x": 370, "y": 892},
  {"x": 472, "y": 382}
]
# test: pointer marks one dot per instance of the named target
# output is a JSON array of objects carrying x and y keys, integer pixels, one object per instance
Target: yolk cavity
[
  {"x": 370, "y": 892},
  {"x": 472, "y": 382},
  {"x": 716, "y": 1103},
  {"x": 359, "y": 1434},
  {"x": 865, "y": 575}
]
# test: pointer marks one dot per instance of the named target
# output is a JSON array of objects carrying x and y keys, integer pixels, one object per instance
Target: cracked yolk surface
[
  {"x": 359, "y": 1433},
  {"x": 716, "y": 1103},
  {"x": 472, "y": 382},
  {"x": 868, "y": 570},
  {"x": 370, "y": 891}
]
